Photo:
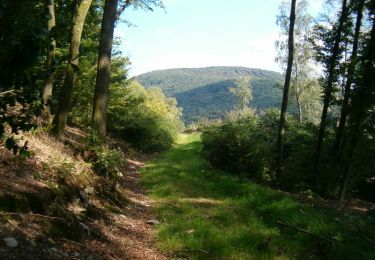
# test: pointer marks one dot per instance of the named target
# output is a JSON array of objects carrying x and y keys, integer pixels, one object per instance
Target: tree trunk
[
  {"x": 362, "y": 104},
  {"x": 48, "y": 85},
  {"x": 349, "y": 81},
  {"x": 80, "y": 13},
  {"x": 99, "y": 114},
  {"x": 284, "y": 105},
  {"x": 299, "y": 105},
  {"x": 329, "y": 86}
]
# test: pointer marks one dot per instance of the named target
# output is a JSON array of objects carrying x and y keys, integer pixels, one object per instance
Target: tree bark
[
  {"x": 349, "y": 81},
  {"x": 299, "y": 105},
  {"x": 80, "y": 13},
  {"x": 99, "y": 114},
  {"x": 329, "y": 86},
  {"x": 284, "y": 105},
  {"x": 48, "y": 85}
]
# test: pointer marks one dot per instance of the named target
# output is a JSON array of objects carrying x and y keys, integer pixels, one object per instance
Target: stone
[
  {"x": 85, "y": 228},
  {"x": 10, "y": 242},
  {"x": 153, "y": 222},
  {"x": 89, "y": 190},
  {"x": 53, "y": 249}
]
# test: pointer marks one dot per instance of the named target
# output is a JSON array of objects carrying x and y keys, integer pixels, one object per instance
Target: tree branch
[{"x": 306, "y": 232}]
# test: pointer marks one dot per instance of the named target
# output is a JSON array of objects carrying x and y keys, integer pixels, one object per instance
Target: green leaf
[
  {"x": 24, "y": 152},
  {"x": 10, "y": 143}
]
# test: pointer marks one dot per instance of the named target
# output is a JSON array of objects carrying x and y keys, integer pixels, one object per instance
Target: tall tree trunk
[
  {"x": 361, "y": 103},
  {"x": 80, "y": 13},
  {"x": 99, "y": 114},
  {"x": 299, "y": 110},
  {"x": 349, "y": 81},
  {"x": 284, "y": 105},
  {"x": 48, "y": 85},
  {"x": 329, "y": 86},
  {"x": 299, "y": 106}
]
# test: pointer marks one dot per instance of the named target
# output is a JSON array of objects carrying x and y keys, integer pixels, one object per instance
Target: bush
[
  {"x": 107, "y": 164},
  {"x": 240, "y": 146},
  {"x": 146, "y": 118},
  {"x": 247, "y": 146}
]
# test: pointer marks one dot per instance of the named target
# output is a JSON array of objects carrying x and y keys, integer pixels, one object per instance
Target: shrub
[
  {"x": 246, "y": 145},
  {"x": 146, "y": 118},
  {"x": 238, "y": 146},
  {"x": 107, "y": 164}
]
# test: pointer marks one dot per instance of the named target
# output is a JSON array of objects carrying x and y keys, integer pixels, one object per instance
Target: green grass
[{"x": 209, "y": 214}]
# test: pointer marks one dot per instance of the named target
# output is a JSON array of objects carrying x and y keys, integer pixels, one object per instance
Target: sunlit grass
[{"x": 209, "y": 214}]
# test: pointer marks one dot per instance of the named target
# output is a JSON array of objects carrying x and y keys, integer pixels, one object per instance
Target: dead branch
[
  {"x": 367, "y": 239},
  {"x": 193, "y": 251},
  {"x": 306, "y": 232},
  {"x": 29, "y": 237},
  {"x": 30, "y": 214},
  {"x": 12, "y": 92},
  {"x": 72, "y": 242}
]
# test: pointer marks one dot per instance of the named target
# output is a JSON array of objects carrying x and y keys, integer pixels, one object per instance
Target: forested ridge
[
  {"x": 189, "y": 163},
  {"x": 204, "y": 92}
]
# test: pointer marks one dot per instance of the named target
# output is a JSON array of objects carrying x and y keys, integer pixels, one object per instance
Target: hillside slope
[
  {"x": 54, "y": 206},
  {"x": 203, "y": 92}
]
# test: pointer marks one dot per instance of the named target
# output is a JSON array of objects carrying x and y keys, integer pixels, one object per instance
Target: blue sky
[{"x": 200, "y": 33}]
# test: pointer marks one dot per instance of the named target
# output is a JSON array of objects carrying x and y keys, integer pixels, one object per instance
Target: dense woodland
[
  {"x": 63, "y": 48},
  {"x": 258, "y": 142}
]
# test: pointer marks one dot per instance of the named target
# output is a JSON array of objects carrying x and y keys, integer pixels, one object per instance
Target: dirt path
[{"x": 129, "y": 232}]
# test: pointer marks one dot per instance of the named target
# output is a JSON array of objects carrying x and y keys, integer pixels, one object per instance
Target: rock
[
  {"x": 51, "y": 240},
  {"x": 53, "y": 249},
  {"x": 153, "y": 222},
  {"x": 10, "y": 242},
  {"x": 76, "y": 254},
  {"x": 89, "y": 190},
  {"x": 85, "y": 228}
]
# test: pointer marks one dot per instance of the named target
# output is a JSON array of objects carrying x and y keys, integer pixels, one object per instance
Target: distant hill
[{"x": 204, "y": 92}]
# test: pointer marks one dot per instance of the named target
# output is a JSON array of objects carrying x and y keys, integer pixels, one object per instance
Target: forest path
[
  {"x": 210, "y": 214},
  {"x": 129, "y": 233}
]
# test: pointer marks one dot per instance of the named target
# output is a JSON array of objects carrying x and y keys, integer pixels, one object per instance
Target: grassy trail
[{"x": 208, "y": 214}]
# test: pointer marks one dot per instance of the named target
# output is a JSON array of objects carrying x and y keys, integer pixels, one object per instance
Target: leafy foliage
[
  {"x": 22, "y": 39},
  {"x": 242, "y": 92},
  {"x": 246, "y": 146},
  {"x": 305, "y": 89},
  {"x": 108, "y": 162},
  {"x": 144, "y": 117}
]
